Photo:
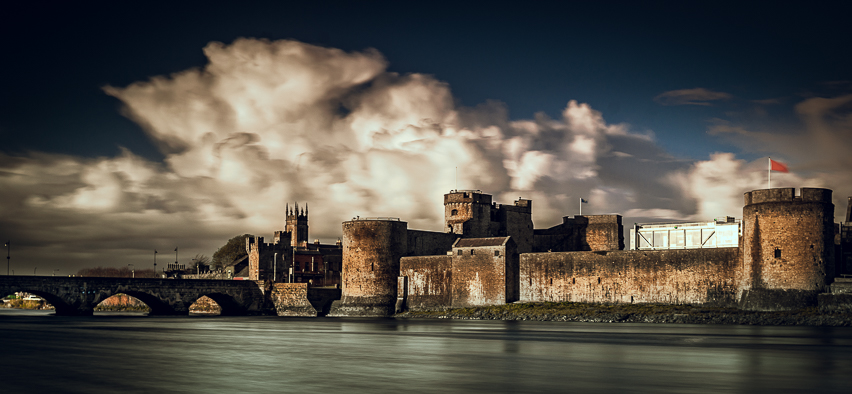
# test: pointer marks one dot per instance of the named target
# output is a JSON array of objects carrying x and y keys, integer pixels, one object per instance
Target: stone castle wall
[
  {"x": 686, "y": 276},
  {"x": 371, "y": 253},
  {"x": 785, "y": 259},
  {"x": 429, "y": 243},
  {"x": 291, "y": 299},
  {"x": 484, "y": 275},
  {"x": 603, "y": 232},
  {"x": 580, "y": 233},
  {"x": 429, "y": 281},
  {"x": 267, "y": 260},
  {"x": 468, "y": 212},
  {"x": 788, "y": 247}
]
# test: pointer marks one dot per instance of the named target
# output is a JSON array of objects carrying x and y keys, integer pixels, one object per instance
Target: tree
[
  {"x": 200, "y": 262},
  {"x": 234, "y": 249}
]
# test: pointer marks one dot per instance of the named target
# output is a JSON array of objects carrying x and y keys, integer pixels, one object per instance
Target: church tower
[{"x": 297, "y": 224}]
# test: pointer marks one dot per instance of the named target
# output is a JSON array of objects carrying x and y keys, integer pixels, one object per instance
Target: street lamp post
[
  {"x": 34, "y": 270},
  {"x": 8, "y": 255},
  {"x": 155, "y": 261},
  {"x": 132, "y": 271},
  {"x": 274, "y": 267}
]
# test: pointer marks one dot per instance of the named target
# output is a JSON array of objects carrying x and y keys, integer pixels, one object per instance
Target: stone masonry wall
[
  {"x": 429, "y": 281},
  {"x": 371, "y": 253},
  {"x": 473, "y": 213},
  {"x": 480, "y": 277},
  {"x": 604, "y": 232},
  {"x": 291, "y": 299},
  {"x": 689, "y": 276},
  {"x": 788, "y": 247},
  {"x": 429, "y": 243}
]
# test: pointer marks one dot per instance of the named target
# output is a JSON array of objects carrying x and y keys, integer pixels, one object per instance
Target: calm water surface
[{"x": 110, "y": 353}]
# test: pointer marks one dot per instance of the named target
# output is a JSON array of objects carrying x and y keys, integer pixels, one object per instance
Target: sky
[{"x": 129, "y": 127}]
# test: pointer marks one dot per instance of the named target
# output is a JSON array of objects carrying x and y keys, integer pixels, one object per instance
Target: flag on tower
[
  {"x": 774, "y": 166},
  {"x": 778, "y": 166},
  {"x": 583, "y": 201}
]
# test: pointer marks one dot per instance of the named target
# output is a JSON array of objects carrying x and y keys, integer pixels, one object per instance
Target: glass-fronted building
[{"x": 720, "y": 233}]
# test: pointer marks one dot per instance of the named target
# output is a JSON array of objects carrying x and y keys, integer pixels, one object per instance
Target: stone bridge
[{"x": 80, "y": 295}]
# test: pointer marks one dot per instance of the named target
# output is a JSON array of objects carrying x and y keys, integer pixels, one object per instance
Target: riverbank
[
  {"x": 26, "y": 304},
  {"x": 637, "y": 313}
]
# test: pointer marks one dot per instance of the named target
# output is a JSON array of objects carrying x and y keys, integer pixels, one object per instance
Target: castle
[
  {"x": 290, "y": 258},
  {"x": 490, "y": 254}
]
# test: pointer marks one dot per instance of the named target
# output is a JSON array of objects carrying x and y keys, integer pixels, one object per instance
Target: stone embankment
[{"x": 638, "y": 313}]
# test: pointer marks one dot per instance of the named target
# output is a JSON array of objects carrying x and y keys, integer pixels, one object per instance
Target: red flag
[{"x": 777, "y": 166}]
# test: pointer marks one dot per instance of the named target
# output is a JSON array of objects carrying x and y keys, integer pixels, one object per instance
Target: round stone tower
[
  {"x": 787, "y": 248},
  {"x": 371, "y": 252}
]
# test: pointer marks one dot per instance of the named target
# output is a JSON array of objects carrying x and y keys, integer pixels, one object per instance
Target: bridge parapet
[{"x": 80, "y": 295}]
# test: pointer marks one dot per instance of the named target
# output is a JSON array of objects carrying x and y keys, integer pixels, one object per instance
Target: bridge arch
[
  {"x": 60, "y": 307},
  {"x": 228, "y": 304},
  {"x": 157, "y": 305},
  {"x": 80, "y": 295}
]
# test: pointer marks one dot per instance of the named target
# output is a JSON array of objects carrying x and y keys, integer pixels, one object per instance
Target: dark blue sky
[{"x": 533, "y": 57}]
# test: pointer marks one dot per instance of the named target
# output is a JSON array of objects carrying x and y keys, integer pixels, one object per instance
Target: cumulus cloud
[
  {"x": 695, "y": 96},
  {"x": 267, "y": 123}
]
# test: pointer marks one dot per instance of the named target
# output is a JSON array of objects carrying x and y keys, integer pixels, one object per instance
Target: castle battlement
[
  {"x": 467, "y": 196},
  {"x": 781, "y": 256},
  {"x": 787, "y": 194}
]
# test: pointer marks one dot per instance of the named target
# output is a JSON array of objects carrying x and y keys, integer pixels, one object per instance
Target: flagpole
[
  {"x": 769, "y": 172},
  {"x": 581, "y": 206}
]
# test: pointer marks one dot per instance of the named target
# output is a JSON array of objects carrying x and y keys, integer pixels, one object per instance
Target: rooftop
[{"x": 476, "y": 242}]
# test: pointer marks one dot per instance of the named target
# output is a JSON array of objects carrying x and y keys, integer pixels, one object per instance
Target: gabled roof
[
  {"x": 477, "y": 242},
  {"x": 243, "y": 273}
]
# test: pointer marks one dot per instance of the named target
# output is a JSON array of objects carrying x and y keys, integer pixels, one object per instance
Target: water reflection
[{"x": 109, "y": 353}]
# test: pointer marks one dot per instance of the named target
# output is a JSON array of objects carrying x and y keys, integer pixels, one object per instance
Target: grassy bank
[{"x": 637, "y": 313}]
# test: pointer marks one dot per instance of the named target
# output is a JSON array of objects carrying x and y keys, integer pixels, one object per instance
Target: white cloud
[{"x": 267, "y": 123}]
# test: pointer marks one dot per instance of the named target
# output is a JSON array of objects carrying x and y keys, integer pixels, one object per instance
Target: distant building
[
  {"x": 720, "y": 233},
  {"x": 290, "y": 258}
]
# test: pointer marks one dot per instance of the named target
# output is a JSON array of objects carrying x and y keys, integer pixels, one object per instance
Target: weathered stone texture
[
  {"x": 516, "y": 221},
  {"x": 428, "y": 243},
  {"x": 692, "y": 276},
  {"x": 371, "y": 253},
  {"x": 291, "y": 299},
  {"x": 80, "y": 295},
  {"x": 484, "y": 273},
  {"x": 429, "y": 281},
  {"x": 604, "y": 232},
  {"x": 268, "y": 259},
  {"x": 788, "y": 245},
  {"x": 581, "y": 233},
  {"x": 468, "y": 212}
]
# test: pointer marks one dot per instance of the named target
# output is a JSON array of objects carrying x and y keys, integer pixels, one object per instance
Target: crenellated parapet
[{"x": 787, "y": 195}]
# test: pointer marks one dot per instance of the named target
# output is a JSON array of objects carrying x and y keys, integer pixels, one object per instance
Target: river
[{"x": 110, "y": 353}]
